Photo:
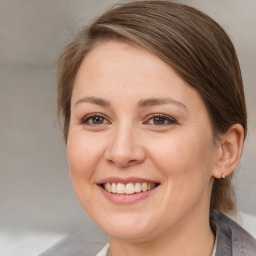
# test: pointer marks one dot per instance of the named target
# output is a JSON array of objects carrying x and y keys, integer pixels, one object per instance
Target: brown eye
[
  {"x": 97, "y": 120},
  {"x": 94, "y": 120},
  {"x": 159, "y": 119}
]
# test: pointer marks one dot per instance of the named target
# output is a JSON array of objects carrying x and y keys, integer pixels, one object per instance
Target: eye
[
  {"x": 95, "y": 119},
  {"x": 160, "y": 119}
]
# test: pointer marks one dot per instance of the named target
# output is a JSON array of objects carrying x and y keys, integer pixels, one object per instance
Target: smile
[{"x": 129, "y": 188}]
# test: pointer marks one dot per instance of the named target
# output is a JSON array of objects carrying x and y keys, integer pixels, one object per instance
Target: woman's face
[{"x": 140, "y": 146}]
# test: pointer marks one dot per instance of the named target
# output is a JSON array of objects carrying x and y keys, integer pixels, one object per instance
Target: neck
[{"x": 192, "y": 236}]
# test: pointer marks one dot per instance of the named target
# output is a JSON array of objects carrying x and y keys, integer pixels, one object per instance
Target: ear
[{"x": 229, "y": 150}]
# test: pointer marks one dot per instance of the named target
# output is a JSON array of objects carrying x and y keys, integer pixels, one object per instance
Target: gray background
[{"x": 35, "y": 190}]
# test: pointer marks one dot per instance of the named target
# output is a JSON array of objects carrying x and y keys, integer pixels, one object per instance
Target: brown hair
[{"x": 193, "y": 44}]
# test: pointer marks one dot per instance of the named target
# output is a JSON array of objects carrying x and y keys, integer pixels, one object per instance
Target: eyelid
[
  {"x": 171, "y": 120},
  {"x": 85, "y": 119}
]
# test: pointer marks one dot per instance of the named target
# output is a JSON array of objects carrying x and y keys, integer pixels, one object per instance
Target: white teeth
[
  {"x": 120, "y": 188},
  {"x": 137, "y": 188},
  {"x": 151, "y": 186},
  {"x": 129, "y": 188},
  {"x": 113, "y": 188},
  {"x": 144, "y": 186},
  {"x": 108, "y": 187}
]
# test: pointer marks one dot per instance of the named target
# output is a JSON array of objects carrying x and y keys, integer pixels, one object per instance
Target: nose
[{"x": 125, "y": 149}]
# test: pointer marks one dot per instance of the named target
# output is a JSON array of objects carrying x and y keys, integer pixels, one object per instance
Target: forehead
[
  {"x": 122, "y": 57},
  {"x": 125, "y": 70},
  {"x": 114, "y": 60}
]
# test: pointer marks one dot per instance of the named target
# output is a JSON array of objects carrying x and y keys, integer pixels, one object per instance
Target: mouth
[{"x": 128, "y": 188}]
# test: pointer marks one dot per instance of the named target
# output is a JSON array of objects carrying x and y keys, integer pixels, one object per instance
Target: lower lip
[{"x": 126, "y": 199}]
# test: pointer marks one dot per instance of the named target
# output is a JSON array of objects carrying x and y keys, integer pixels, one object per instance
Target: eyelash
[
  {"x": 86, "y": 120},
  {"x": 163, "y": 117}
]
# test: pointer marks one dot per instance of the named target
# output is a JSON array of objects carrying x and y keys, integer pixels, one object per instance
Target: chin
[
  {"x": 127, "y": 227},
  {"x": 127, "y": 233}
]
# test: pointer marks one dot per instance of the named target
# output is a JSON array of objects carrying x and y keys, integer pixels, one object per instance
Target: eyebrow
[
  {"x": 142, "y": 103},
  {"x": 93, "y": 100},
  {"x": 160, "y": 101}
]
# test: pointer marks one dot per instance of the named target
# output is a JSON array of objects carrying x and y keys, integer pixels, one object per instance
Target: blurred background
[{"x": 37, "y": 203}]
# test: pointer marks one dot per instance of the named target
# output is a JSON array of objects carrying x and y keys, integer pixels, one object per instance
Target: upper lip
[{"x": 126, "y": 180}]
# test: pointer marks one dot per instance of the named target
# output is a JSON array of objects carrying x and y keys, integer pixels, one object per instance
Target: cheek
[
  {"x": 177, "y": 152},
  {"x": 186, "y": 160},
  {"x": 83, "y": 153}
]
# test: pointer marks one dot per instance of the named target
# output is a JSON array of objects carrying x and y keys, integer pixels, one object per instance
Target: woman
[{"x": 155, "y": 119}]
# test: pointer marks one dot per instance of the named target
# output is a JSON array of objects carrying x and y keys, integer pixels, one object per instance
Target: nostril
[
  {"x": 122, "y": 164},
  {"x": 132, "y": 161}
]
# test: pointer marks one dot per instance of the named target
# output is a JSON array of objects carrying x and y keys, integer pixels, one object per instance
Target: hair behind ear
[{"x": 231, "y": 145}]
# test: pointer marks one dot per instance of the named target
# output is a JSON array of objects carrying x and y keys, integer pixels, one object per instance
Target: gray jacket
[{"x": 232, "y": 240}]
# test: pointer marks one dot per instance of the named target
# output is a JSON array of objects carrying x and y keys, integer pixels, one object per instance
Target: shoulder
[{"x": 232, "y": 239}]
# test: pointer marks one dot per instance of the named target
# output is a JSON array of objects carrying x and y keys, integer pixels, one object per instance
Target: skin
[{"x": 178, "y": 152}]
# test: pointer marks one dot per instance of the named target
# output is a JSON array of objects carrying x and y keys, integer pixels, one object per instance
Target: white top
[{"x": 104, "y": 251}]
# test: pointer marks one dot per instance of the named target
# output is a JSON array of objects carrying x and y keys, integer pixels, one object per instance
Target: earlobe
[{"x": 229, "y": 151}]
